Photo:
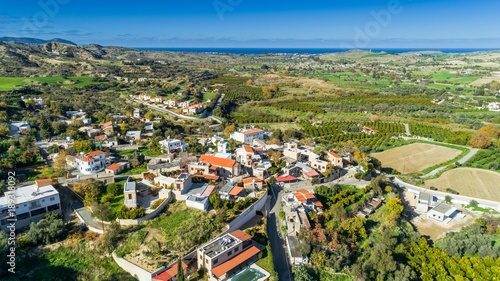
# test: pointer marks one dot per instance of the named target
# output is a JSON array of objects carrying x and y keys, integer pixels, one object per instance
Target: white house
[
  {"x": 335, "y": 159},
  {"x": 247, "y": 136},
  {"x": 130, "y": 194},
  {"x": 184, "y": 104},
  {"x": 172, "y": 145},
  {"x": 19, "y": 127},
  {"x": 442, "y": 213},
  {"x": 91, "y": 163},
  {"x": 29, "y": 204},
  {"x": 133, "y": 136},
  {"x": 494, "y": 106},
  {"x": 193, "y": 109},
  {"x": 137, "y": 113}
]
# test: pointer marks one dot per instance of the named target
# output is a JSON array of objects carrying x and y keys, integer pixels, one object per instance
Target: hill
[{"x": 28, "y": 40}]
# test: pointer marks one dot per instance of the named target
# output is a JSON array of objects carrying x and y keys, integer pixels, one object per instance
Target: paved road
[
  {"x": 164, "y": 110},
  {"x": 407, "y": 129},
  {"x": 441, "y": 195},
  {"x": 277, "y": 243}
]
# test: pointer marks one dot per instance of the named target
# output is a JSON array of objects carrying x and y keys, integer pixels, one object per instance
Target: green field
[
  {"x": 446, "y": 76},
  {"x": 12, "y": 83}
]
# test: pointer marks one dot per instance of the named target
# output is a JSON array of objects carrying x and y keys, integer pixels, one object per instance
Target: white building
[
  {"x": 247, "y": 136},
  {"x": 130, "y": 194},
  {"x": 173, "y": 145},
  {"x": 442, "y": 213},
  {"x": 19, "y": 127},
  {"x": 494, "y": 106},
  {"x": 91, "y": 163},
  {"x": 31, "y": 204}
]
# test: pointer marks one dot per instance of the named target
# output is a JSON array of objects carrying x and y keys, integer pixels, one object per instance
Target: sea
[{"x": 259, "y": 51}]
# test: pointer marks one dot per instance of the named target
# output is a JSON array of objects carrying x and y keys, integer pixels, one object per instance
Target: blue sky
[{"x": 258, "y": 23}]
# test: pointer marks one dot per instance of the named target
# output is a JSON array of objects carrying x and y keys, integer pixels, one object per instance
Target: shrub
[{"x": 156, "y": 204}]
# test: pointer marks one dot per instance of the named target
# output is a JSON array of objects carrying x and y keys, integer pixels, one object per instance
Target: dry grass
[
  {"x": 477, "y": 183},
  {"x": 416, "y": 157}
]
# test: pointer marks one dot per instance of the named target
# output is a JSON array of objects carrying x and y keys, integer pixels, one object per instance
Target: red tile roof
[
  {"x": 43, "y": 182},
  {"x": 335, "y": 155},
  {"x": 248, "y": 149},
  {"x": 253, "y": 131},
  {"x": 169, "y": 273},
  {"x": 87, "y": 159},
  {"x": 243, "y": 236},
  {"x": 234, "y": 262},
  {"x": 220, "y": 162},
  {"x": 207, "y": 177},
  {"x": 114, "y": 167},
  {"x": 107, "y": 124},
  {"x": 251, "y": 180},
  {"x": 308, "y": 194},
  {"x": 286, "y": 178},
  {"x": 236, "y": 190},
  {"x": 94, "y": 153},
  {"x": 311, "y": 174},
  {"x": 101, "y": 137}
]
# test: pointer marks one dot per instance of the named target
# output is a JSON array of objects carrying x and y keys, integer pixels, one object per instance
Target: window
[
  {"x": 52, "y": 198},
  {"x": 230, "y": 253},
  {"x": 216, "y": 261}
]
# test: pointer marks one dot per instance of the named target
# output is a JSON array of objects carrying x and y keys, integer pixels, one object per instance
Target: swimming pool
[{"x": 249, "y": 274}]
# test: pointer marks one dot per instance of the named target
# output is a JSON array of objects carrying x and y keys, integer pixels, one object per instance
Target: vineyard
[{"x": 337, "y": 132}]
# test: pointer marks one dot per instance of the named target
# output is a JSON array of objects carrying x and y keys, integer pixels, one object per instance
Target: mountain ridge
[{"x": 36, "y": 41}]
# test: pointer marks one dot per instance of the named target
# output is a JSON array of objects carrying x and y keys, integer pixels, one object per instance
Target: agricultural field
[
  {"x": 12, "y": 83},
  {"x": 416, "y": 157},
  {"x": 469, "y": 182}
]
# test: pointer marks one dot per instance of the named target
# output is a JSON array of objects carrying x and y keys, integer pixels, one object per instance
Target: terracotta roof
[
  {"x": 43, "y": 182},
  {"x": 220, "y": 162},
  {"x": 318, "y": 204},
  {"x": 207, "y": 177},
  {"x": 107, "y": 124},
  {"x": 335, "y": 155},
  {"x": 243, "y": 236},
  {"x": 253, "y": 131},
  {"x": 169, "y": 273},
  {"x": 234, "y": 262},
  {"x": 208, "y": 191},
  {"x": 286, "y": 178},
  {"x": 94, "y": 153},
  {"x": 236, "y": 190},
  {"x": 301, "y": 198},
  {"x": 250, "y": 180},
  {"x": 101, "y": 137},
  {"x": 248, "y": 149},
  {"x": 308, "y": 194},
  {"x": 87, "y": 159},
  {"x": 114, "y": 167},
  {"x": 311, "y": 174}
]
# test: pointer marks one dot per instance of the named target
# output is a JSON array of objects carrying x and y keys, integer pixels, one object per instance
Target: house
[
  {"x": 227, "y": 254},
  {"x": 110, "y": 142},
  {"x": 183, "y": 183},
  {"x": 246, "y": 155},
  {"x": 116, "y": 168},
  {"x": 306, "y": 198},
  {"x": 75, "y": 114},
  {"x": 100, "y": 138},
  {"x": 494, "y": 106},
  {"x": 92, "y": 133},
  {"x": 157, "y": 99},
  {"x": 170, "y": 102},
  {"x": 107, "y": 128},
  {"x": 137, "y": 113},
  {"x": 442, "y": 213},
  {"x": 145, "y": 97},
  {"x": 19, "y": 127},
  {"x": 253, "y": 184},
  {"x": 28, "y": 204},
  {"x": 318, "y": 164},
  {"x": 296, "y": 220},
  {"x": 335, "y": 159},
  {"x": 163, "y": 181},
  {"x": 292, "y": 170},
  {"x": 193, "y": 109},
  {"x": 184, "y": 104},
  {"x": 307, "y": 172},
  {"x": 291, "y": 150},
  {"x": 91, "y": 163},
  {"x": 159, "y": 165},
  {"x": 287, "y": 179},
  {"x": 368, "y": 130},
  {"x": 247, "y": 136},
  {"x": 197, "y": 196},
  {"x": 173, "y": 145},
  {"x": 133, "y": 136},
  {"x": 171, "y": 273},
  {"x": 225, "y": 167},
  {"x": 423, "y": 202},
  {"x": 230, "y": 191},
  {"x": 261, "y": 170},
  {"x": 203, "y": 171},
  {"x": 130, "y": 194}
]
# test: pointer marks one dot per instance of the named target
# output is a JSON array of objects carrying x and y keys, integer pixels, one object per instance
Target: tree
[
  {"x": 46, "y": 231},
  {"x": 480, "y": 139},
  {"x": 102, "y": 212},
  {"x": 319, "y": 259},
  {"x": 492, "y": 130},
  {"x": 473, "y": 204},
  {"x": 301, "y": 274},
  {"x": 149, "y": 116},
  {"x": 229, "y": 130},
  {"x": 136, "y": 159},
  {"x": 215, "y": 201},
  {"x": 447, "y": 199},
  {"x": 395, "y": 209},
  {"x": 180, "y": 271},
  {"x": 83, "y": 146}
]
